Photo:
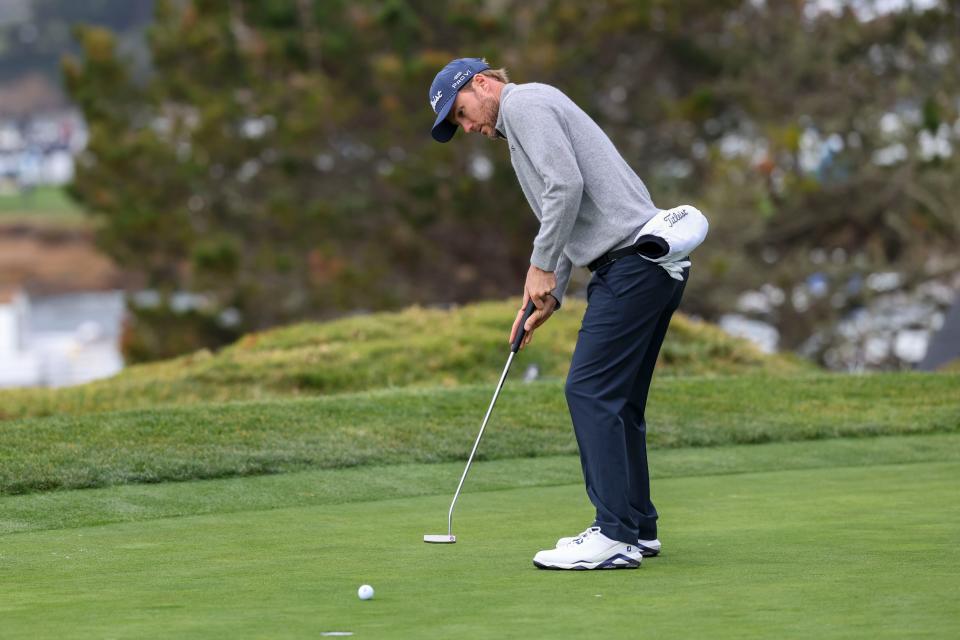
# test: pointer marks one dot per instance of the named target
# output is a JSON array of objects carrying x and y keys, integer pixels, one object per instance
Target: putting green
[{"x": 865, "y": 551}]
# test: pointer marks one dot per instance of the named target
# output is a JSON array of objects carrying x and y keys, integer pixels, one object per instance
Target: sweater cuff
[{"x": 562, "y": 273}]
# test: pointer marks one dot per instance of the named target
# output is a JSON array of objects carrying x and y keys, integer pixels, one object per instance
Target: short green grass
[
  {"x": 311, "y": 459},
  {"x": 43, "y": 205},
  {"x": 439, "y": 424},
  {"x": 828, "y": 552}
]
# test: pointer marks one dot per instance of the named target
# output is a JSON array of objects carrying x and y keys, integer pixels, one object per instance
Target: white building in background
[
  {"x": 60, "y": 340},
  {"x": 41, "y": 150}
]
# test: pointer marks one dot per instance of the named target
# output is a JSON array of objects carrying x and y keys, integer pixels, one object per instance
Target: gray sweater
[{"x": 587, "y": 198}]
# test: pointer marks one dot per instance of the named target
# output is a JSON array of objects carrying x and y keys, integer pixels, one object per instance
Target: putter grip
[{"x": 520, "y": 330}]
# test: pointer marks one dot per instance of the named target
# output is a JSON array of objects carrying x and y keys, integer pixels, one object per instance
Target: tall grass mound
[{"x": 414, "y": 347}]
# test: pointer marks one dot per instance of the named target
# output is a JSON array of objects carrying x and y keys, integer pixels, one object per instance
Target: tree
[
  {"x": 271, "y": 167},
  {"x": 277, "y": 160},
  {"x": 845, "y": 127}
]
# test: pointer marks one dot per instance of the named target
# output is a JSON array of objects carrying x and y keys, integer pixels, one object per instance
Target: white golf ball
[{"x": 365, "y": 592}]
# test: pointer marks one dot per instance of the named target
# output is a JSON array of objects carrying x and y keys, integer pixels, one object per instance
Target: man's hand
[{"x": 537, "y": 288}]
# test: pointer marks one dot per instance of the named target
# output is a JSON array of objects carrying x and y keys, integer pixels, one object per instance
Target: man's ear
[{"x": 479, "y": 82}]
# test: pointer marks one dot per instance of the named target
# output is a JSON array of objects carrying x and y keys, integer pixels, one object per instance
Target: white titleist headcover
[
  {"x": 683, "y": 228},
  {"x": 671, "y": 235}
]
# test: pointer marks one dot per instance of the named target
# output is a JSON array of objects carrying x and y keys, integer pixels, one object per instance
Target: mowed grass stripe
[
  {"x": 438, "y": 425},
  {"x": 136, "y": 503},
  {"x": 826, "y": 553}
]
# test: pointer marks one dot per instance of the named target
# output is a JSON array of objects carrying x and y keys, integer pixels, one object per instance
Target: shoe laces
[{"x": 589, "y": 531}]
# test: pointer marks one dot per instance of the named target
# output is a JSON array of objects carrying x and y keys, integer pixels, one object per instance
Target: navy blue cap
[{"x": 443, "y": 92}]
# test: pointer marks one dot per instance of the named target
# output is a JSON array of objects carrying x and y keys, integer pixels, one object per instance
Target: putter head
[{"x": 440, "y": 539}]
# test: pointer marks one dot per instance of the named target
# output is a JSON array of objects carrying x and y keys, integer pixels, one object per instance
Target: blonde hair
[{"x": 497, "y": 74}]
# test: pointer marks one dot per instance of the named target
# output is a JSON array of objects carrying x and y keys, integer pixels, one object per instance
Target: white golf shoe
[
  {"x": 590, "y": 550},
  {"x": 649, "y": 548}
]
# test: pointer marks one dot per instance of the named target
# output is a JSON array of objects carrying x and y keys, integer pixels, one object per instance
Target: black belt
[
  {"x": 647, "y": 245},
  {"x": 612, "y": 256}
]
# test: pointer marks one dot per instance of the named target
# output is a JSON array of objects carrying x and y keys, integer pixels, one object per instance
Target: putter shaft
[
  {"x": 514, "y": 348},
  {"x": 476, "y": 443}
]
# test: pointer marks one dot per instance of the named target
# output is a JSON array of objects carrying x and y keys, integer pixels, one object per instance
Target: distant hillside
[
  {"x": 415, "y": 347},
  {"x": 54, "y": 257}
]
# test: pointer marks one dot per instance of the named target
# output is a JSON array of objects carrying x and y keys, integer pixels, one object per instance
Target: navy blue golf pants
[{"x": 629, "y": 306}]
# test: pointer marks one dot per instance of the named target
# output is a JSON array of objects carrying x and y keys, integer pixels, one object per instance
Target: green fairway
[
  {"x": 821, "y": 550},
  {"x": 227, "y": 496},
  {"x": 43, "y": 205}
]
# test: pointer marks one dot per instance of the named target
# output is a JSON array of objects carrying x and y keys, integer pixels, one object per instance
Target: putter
[{"x": 449, "y": 538}]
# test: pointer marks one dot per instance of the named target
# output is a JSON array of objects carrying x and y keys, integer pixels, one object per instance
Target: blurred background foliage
[{"x": 275, "y": 157}]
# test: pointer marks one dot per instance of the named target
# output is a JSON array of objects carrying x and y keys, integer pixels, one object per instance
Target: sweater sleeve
[{"x": 541, "y": 132}]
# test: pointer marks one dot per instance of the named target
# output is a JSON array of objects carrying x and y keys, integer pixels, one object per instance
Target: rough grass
[
  {"x": 328, "y": 487},
  {"x": 422, "y": 347},
  {"x": 439, "y": 424}
]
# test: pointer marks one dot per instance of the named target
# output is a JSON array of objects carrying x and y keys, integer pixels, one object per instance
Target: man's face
[{"x": 475, "y": 109}]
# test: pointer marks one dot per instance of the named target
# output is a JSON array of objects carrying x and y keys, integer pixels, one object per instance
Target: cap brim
[{"x": 443, "y": 129}]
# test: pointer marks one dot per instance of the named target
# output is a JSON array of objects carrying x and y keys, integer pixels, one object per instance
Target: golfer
[{"x": 590, "y": 205}]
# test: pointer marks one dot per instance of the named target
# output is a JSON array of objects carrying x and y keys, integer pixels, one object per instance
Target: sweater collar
[{"x": 507, "y": 88}]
